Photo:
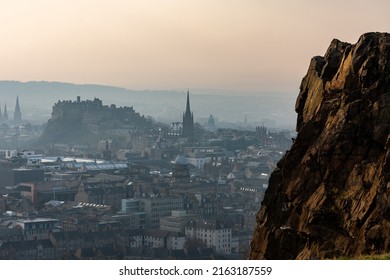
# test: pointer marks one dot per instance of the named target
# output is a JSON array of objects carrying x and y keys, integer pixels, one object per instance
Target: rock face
[{"x": 330, "y": 194}]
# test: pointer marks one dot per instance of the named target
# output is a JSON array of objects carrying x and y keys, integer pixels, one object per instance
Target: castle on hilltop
[
  {"x": 85, "y": 122},
  {"x": 95, "y": 116}
]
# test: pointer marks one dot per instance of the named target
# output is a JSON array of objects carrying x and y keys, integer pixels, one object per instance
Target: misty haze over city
[
  {"x": 143, "y": 130},
  {"x": 229, "y": 108}
]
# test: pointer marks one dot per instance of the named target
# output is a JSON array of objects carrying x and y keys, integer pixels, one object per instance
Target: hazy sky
[{"x": 245, "y": 45}]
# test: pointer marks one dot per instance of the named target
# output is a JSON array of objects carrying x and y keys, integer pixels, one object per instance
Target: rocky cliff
[{"x": 330, "y": 194}]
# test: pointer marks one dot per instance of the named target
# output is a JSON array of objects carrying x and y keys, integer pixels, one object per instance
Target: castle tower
[
  {"x": 188, "y": 120},
  {"x": 17, "y": 113},
  {"x": 5, "y": 114}
]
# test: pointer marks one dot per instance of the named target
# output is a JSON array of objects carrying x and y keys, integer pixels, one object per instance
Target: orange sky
[{"x": 242, "y": 45}]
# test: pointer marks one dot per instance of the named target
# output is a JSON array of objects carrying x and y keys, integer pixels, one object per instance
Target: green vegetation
[
  {"x": 375, "y": 257},
  {"x": 368, "y": 257}
]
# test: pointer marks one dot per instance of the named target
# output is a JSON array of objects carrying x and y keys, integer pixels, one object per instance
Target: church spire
[
  {"x": 188, "y": 120},
  {"x": 188, "y": 110},
  {"x": 5, "y": 114},
  {"x": 17, "y": 112}
]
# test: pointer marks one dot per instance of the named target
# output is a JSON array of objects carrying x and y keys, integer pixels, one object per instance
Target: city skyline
[{"x": 244, "y": 46}]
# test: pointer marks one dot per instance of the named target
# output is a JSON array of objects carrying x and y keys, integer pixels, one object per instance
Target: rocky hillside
[{"x": 330, "y": 194}]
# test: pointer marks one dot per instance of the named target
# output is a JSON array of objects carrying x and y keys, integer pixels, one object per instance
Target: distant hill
[{"x": 37, "y": 98}]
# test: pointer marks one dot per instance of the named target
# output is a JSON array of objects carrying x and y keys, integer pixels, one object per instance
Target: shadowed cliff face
[{"x": 330, "y": 194}]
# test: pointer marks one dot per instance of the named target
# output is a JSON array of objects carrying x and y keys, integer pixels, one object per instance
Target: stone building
[
  {"x": 212, "y": 233},
  {"x": 158, "y": 207}
]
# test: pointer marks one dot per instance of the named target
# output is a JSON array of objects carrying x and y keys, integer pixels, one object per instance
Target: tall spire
[
  {"x": 188, "y": 110},
  {"x": 5, "y": 114},
  {"x": 188, "y": 120},
  {"x": 17, "y": 113}
]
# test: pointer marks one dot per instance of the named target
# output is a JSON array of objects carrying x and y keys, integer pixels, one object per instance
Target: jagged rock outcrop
[{"x": 330, "y": 194}]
